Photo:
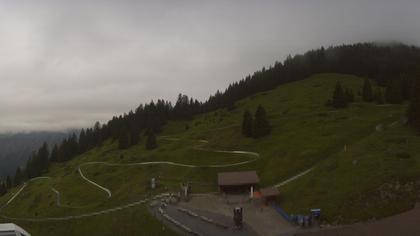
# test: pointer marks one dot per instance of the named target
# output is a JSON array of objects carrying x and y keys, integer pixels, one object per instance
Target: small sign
[{"x": 316, "y": 212}]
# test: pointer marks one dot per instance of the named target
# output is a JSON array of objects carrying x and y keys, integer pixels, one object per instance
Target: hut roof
[{"x": 237, "y": 178}]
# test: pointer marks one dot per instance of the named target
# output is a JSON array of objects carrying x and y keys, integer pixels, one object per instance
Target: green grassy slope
[
  {"x": 377, "y": 176},
  {"x": 305, "y": 133}
]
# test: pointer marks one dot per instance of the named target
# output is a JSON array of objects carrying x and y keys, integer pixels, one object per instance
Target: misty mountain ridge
[{"x": 16, "y": 148}]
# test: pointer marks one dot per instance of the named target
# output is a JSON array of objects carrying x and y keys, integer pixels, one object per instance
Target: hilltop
[{"x": 355, "y": 156}]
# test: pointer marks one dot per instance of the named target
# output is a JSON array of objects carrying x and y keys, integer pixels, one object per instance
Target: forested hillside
[
  {"x": 16, "y": 149},
  {"x": 392, "y": 67},
  {"x": 352, "y": 153},
  {"x": 355, "y": 133}
]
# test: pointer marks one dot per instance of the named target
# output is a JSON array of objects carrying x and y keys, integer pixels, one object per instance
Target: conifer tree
[
  {"x": 35, "y": 167},
  {"x": 151, "y": 141},
  {"x": 18, "y": 177},
  {"x": 83, "y": 146},
  {"x": 97, "y": 136},
  {"x": 247, "y": 124},
  {"x": 3, "y": 189},
  {"x": 349, "y": 95},
  {"x": 124, "y": 141},
  {"x": 407, "y": 84},
  {"x": 379, "y": 97},
  {"x": 28, "y": 168},
  {"x": 367, "y": 92},
  {"x": 8, "y": 182},
  {"x": 261, "y": 126},
  {"x": 73, "y": 148},
  {"x": 54, "y": 154},
  {"x": 413, "y": 112},
  {"x": 393, "y": 92},
  {"x": 339, "y": 98},
  {"x": 134, "y": 136},
  {"x": 43, "y": 158}
]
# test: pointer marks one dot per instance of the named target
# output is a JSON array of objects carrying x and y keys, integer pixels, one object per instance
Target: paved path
[
  {"x": 262, "y": 219},
  {"x": 294, "y": 178},
  {"x": 92, "y": 182},
  {"x": 14, "y": 196},
  {"x": 201, "y": 227}
]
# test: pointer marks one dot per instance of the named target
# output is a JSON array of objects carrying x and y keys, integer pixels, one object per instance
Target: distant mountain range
[{"x": 15, "y": 149}]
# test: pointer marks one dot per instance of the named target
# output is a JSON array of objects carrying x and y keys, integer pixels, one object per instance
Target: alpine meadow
[{"x": 131, "y": 118}]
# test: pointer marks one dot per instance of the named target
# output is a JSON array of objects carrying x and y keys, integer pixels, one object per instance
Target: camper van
[{"x": 12, "y": 230}]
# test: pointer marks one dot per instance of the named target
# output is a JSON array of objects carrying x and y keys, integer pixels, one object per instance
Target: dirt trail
[
  {"x": 294, "y": 178},
  {"x": 109, "y": 193},
  {"x": 255, "y": 156}
]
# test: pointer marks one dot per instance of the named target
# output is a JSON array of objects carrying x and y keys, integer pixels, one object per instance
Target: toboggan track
[{"x": 255, "y": 156}]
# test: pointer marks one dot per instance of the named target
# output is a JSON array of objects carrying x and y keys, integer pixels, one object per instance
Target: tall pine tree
[
  {"x": 413, "y": 112},
  {"x": 134, "y": 136},
  {"x": 367, "y": 92},
  {"x": 54, "y": 154},
  {"x": 18, "y": 177},
  {"x": 393, "y": 92},
  {"x": 3, "y": 189},
  {"x": 261, "y": 126},
  {"x": 349, "y": 95},
  {"x": 379, "y": 97},
  {"x": 43, "y": 158},
  {"x": 29, "y": 169},
  {"x": 124, "y": 141},
  {"x": 247, "y": 124},
  {"x": 339, "y": 97},
  {"x": 151, "y": 141},
  {"x": 8, "y": 182}
]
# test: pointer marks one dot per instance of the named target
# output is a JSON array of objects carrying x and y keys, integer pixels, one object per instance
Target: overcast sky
[{"x": 66, "y": 64}]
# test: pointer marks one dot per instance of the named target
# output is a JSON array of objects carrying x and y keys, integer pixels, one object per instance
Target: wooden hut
[{"x": 237, "y": 182}]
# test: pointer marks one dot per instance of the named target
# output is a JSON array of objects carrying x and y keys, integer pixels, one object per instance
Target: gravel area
[
  {"x": 264, "y": 220},
  {"x": 200, "y": 226}
]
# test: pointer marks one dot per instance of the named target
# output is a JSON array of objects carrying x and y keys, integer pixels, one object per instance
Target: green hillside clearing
[{"x": 305, "y": 134}]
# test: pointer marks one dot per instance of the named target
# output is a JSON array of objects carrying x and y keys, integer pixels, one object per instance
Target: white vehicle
[{"x": 12, "y": 230}]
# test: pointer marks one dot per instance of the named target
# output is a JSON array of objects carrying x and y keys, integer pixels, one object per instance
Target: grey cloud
[{"x": 66, "y": 64}]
